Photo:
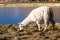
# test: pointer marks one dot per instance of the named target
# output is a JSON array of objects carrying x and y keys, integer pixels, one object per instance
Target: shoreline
[
  {"x": 29, "y": 4},
  {"x": 33, "y": 23}
]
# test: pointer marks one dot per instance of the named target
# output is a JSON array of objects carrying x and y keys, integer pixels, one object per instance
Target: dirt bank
[
  {"x": 11, "y": 32},
  {"x": 28, "y": 4}
]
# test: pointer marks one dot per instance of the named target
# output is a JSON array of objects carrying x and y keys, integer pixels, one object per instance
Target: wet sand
[{"x": 11, "y": 32}]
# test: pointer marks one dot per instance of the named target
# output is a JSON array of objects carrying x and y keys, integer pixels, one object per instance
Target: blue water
[
  {"x": 11, "y": 15},
  {"x": 14, "y": 15}
]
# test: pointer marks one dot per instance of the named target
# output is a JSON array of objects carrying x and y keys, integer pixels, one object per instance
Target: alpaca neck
[{"x": 26, "y": 21}]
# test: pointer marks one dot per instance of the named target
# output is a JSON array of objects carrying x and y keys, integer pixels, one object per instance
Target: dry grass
[{"x": 11, "y": 32}]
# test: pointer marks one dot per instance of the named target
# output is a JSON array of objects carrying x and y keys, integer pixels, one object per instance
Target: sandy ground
[{"x": 11, "y": 32}]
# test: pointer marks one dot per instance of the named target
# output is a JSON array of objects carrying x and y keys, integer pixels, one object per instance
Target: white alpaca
[{"x": 44, "y": 13}]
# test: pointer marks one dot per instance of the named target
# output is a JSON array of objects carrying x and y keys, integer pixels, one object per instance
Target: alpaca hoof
[
  {"x": 44, "y": 29},
  {"x": 39, "y": 30}
]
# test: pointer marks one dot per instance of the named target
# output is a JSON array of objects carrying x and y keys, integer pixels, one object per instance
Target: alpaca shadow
[
  {"x": 42, "y": 33},
  {"x": 57, "y": 36},
  {"x": 54, "y": 29}
]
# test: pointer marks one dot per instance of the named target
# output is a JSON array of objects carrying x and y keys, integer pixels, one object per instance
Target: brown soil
[{"x": 11, "y": 32}]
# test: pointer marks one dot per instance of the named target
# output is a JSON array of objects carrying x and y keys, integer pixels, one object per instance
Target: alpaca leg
[
  {"x": 37, "y": 22},
  {"x": 53, "y": 23},
  {"x": 46, "y": 24}
]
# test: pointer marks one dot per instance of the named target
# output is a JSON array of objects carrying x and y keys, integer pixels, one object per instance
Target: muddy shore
[
  {"x": 11, "y": 32},
  {"x": 29, "y": 4}
]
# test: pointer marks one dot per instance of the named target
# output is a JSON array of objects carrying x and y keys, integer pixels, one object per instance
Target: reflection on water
[{"x": 13, "y": 15}]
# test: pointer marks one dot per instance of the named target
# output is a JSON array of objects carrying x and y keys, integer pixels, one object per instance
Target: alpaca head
[{"x": 21, "y": 26}]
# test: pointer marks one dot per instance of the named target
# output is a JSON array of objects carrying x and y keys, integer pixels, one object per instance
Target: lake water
[{"x": 14, "y": 15}]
